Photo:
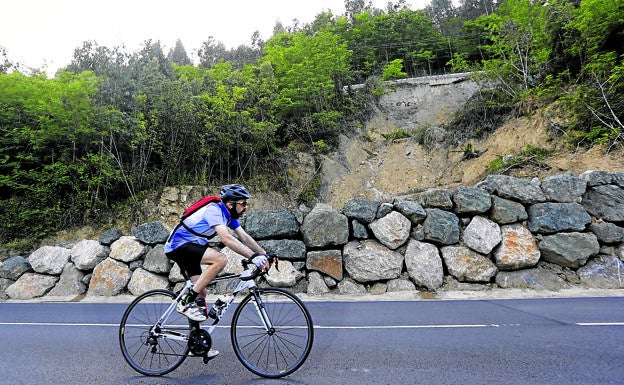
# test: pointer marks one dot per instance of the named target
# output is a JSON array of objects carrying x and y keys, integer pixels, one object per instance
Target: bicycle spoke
[
  {"x": 146, "y": 351},
  {"x": 283, "y": 348}
]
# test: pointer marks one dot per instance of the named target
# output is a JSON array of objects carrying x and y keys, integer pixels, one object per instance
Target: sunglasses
[{"x": 243, "y": 204}]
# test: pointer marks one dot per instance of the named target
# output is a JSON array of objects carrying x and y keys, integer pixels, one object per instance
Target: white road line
[
  {"x": 408, "y": 326},
  {"x": 600, "y": 323}
]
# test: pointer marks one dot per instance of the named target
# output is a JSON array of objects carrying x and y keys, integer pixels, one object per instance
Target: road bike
[{"x": 271, "y": 329}]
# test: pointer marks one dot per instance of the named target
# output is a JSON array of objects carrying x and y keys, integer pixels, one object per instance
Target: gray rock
[
  {"x": 467, "y": 265},
  {"x": 70, "y": 282},
  {"x": 156, "y": 261},
  {"x": 287, "y": 249},
  {"x": 400, "y": 284},
  {"x": 127, "y": 249},
  {"x": 607, "y": 232},
  {"x": 564, "y": 188},
  {"x": 286, "y": 276},
  {"x": 350, "y": 287},
  {"x": 412, "y": 210},
  {"x": 617, "y": 178},
  {"x": 424, "y": 264},
  {"x": 436, "y": 198},
  {"x": 86, "y": 254},
  {"x": 384, "y": 209},
  {"x": 359, "y": 230},
  {"x": 368, "y": 261},
  {"x": 482, "y": 235},
  {"x": 509, "y": 187},
  {"x": 151, "y": 233},
  {"x": 505, "y": 211},
  {"x": 109, "y": 278},
  {"x": 324, "y": 226},
  {"x": 548, "y": 218},
  {"x": 316, "y": 284},
  {"x": 471, "y": 200},
  {"x": 109, "y": 236},
  {"x": 143, "y": 280},
  {"x": 569, "y": 249},
  {"x": 603, "y": 272},
  {"x": 267, "y": 224},
  {"x": 361, "y": 209},
  {"x": 605, "y": 202},
  {"x": 31, "y": 285},
  {"x": 517, "y": 250},
  {"x": 14, "y": 267},
  {"x": 49, "y": 259},
  {"x": 596, "y": 178},
  {"x": 392, "y": 230},
  {"x": 536, "y": 279},
  {"x": 441, "y": 227}
]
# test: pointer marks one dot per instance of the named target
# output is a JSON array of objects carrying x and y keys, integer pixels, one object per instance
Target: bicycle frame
[{"x": 265, "y": 341}]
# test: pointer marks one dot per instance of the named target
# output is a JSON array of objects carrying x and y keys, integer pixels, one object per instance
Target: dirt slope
[{"x": 369, "y": 166}]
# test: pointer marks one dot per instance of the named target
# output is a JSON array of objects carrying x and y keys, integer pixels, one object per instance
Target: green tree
[
  {"x": 178, "y": 54},
  {"x": 307, "y": 70}
]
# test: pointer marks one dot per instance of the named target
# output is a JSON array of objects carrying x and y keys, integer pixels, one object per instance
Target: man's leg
[{"x": 215, "y": 262}]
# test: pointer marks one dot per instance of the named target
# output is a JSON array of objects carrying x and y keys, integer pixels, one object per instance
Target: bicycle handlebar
[{"x": 256, "y": 272}]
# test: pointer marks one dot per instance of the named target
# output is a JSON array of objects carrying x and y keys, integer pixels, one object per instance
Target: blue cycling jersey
[{"x": 203, "y": 221}]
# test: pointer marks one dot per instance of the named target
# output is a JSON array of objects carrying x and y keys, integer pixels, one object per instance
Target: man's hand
[{"x": 261, "y": 261}]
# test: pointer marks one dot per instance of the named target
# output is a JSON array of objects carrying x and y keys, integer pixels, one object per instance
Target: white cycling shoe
[{"x": 192, "y": 311}]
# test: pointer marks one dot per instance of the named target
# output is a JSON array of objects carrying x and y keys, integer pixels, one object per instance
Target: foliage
[
  {"x": 529, "y": 156},
  {"x": 393, "y": 70},
  {"x": 116, "y": 124}
]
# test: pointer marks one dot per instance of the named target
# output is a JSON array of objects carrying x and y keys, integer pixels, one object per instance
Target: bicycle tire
[
  {"x": 149, "y": 354},
  {"x": 278, "y": 352}
]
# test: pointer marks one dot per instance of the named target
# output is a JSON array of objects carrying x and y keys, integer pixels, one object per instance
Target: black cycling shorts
[{"x": 188, "y": 257}]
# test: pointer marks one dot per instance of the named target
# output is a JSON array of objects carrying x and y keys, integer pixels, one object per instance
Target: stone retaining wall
[{"x": 562, "y": 232}]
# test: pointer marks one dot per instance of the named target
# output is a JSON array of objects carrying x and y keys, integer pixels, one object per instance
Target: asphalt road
[{"x": 513, "y": 341}]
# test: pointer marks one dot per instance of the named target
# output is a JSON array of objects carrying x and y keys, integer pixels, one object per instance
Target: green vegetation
[
  {"x": 530, "y": 156},
  {"x": 115, "y": 124}
]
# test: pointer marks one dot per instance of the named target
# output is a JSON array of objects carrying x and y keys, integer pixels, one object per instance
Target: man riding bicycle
[{"x": 188, "y": 247}]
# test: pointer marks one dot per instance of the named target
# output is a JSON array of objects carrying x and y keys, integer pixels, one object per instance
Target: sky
[{"x": 43, "y": 34}]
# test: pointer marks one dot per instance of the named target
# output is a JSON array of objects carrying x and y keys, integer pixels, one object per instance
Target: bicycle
[{"x": 271, "y": 329}]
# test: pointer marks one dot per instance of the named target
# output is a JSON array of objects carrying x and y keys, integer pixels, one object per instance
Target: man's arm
[
  {"x": 249, "y": 241},
  {"x": 246, "y": 246}
]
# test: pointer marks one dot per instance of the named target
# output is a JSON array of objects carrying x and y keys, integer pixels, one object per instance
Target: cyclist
[{"x": 188, "y": 246}]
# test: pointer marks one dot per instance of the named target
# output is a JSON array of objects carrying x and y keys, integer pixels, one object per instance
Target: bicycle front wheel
[
  {"x": 150, "y": 348},
  {"x": 281, "y": 346}
]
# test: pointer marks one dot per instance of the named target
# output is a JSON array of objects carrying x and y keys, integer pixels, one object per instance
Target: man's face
[{"x": 241, "y": 206}]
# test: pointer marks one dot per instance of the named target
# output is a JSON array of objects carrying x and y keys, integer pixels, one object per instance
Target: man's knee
[{"x": 221, "y": 261}]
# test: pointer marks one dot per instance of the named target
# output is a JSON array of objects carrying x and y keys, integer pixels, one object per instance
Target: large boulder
[
  {"x": 110, "y": 277},
  {"x": 391, "y": 230},
  {"x": 368, "y": 261},
  {"x": 267, "y": 224},
  {"x": 324, "y": 226},
  {"x": 49, "y": 259},
  {"x": 327, "y": 262},
  {"x": 441, "y": 227},
  {"x": 569, "y": 249},
  {"x": 548, "y": 218},
  {"x": 424, "y": 264},
  {"x": 87, "y": 253},
  {"x": 518, "y": 248},
  {"x": 467, "y": 265},
  {"x": 482, "y": 235},
  {"x": 31, "y": 285}
]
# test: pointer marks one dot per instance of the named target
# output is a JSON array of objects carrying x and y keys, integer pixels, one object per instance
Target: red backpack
[
  {"x": 199, "y": 204},
  {"x": 192, "y": 209}
]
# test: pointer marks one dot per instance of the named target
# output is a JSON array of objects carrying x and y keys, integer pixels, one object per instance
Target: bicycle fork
[{"x": 266, "y": 321}]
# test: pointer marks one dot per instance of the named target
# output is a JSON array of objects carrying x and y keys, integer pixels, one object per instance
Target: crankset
[{"x": 200, "y": 343}]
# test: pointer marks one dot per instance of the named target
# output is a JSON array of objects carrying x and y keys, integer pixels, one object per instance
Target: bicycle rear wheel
[
  {"x": 282, "y": 349},
  {"x": 151, "y": 349}
]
